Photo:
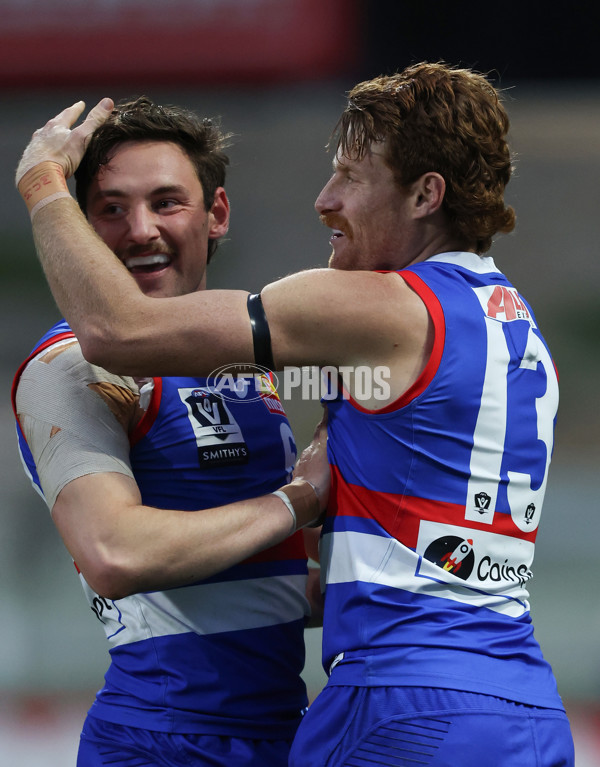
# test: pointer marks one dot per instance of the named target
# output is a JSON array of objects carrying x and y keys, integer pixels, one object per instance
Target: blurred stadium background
[{"x": 275, "y": 72}]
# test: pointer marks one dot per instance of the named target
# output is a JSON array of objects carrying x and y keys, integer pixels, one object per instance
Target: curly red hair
[{"x": 434, "y": 117}]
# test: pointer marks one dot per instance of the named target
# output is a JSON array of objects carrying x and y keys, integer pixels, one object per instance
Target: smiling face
[
  {"x": 147, "y": 204},
  {"x": 368, "y": 212}
]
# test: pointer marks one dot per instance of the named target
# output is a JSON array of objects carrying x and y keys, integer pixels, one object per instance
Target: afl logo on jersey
[{"x": 453, "y": 554}]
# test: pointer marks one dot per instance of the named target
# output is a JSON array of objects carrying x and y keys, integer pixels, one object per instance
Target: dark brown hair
[{"x": 140, "y": 119}]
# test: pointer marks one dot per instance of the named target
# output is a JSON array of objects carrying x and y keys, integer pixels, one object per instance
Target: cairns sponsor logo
[
  {"x": 452, "y": 554},
  {"x": 458, "y": 556}
]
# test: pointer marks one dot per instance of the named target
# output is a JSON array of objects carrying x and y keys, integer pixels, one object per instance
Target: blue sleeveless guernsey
[
  {"x": 222, "y": 656},
  {"x": 429, "y": 541}
]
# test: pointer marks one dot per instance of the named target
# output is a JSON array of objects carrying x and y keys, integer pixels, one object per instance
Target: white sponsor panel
[{"x": 493, "y": 575}]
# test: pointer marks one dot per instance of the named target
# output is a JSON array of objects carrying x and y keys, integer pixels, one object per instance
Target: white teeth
[
  {"x": 151, "y": 260},
  {"x": 337, "y": 233}
]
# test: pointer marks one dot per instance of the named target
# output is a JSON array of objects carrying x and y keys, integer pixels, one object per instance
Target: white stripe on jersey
[
  {"x": 385, "y": 561},
  {"x": 203, "y": 609}
]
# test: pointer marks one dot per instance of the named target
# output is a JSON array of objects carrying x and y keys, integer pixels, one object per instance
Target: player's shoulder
[
  {"x": 337, "y": 292},
  {"x": 60, "y": 354}
]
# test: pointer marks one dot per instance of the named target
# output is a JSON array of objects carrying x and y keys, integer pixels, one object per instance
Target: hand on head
[{"x": 59, "y": 142}]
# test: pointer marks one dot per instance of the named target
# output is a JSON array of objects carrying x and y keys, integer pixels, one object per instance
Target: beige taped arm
[{"x": 74, "y": 417}]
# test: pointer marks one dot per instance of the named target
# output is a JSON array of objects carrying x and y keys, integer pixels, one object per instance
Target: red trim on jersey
[
  {"x": 436, "y": 313},
  {"x": 291, "y": 548},
  {"x": 147, "y": 420},
  {"x": 401, "y": 515}
]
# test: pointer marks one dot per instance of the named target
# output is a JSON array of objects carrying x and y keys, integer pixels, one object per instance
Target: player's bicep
[
  {"x": 295, "y": 312},
  {"x": 334, "y": 317}
]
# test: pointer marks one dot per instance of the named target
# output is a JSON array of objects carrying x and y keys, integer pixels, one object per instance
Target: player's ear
[
  {"x": 219, "y": 215},
  {"x": 428, "y": 191}
]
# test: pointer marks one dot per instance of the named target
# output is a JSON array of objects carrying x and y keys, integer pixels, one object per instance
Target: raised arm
[{"x": 316, "y": 317}]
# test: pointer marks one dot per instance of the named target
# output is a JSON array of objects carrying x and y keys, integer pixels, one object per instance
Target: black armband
[{"x": 261, "y": 336}]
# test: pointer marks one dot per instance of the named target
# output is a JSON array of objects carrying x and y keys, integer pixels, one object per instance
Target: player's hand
[
  {"x": 313, "y": 465},
  {"x": 59, "y": 142}
]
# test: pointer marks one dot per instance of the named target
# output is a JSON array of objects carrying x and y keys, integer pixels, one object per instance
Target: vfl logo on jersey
[
  {"x": 502, "y": 303},
  {"x": 482, "y": 502},
  {"x": 529, "y": 513},
  {"x": 218, "y": 436},
  {"x": 481, "y": 509},
  {"x": 453, "y": 554}
]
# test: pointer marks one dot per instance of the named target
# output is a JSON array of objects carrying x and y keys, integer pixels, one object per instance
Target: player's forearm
[
  {"x": 147, "y": 549},
  {"x": 117, "y": 326},
  {"x": 91, "y": 286},
  {"x": 73, "y": 257},
  {"x": 172, "y": 549}
]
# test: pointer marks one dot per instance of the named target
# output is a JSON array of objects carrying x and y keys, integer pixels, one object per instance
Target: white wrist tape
[
  {"x": 290, "y": 507},
  {"x": 302, "y": 500}
]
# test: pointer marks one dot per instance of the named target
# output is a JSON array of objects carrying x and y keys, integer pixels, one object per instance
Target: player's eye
[
  {"x": 113, "y": 209},
  {"x": 167, "y": 204}
]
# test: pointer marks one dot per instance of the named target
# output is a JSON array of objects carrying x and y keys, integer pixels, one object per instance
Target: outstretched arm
[
  {"x": 316, "y": 317},
  {"x": 123, "y": 547},
  {"x": 76, "y": 421}
]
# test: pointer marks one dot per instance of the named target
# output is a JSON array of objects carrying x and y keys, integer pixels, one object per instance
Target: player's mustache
[
  {"x": 146, "y": 250},
  {"x": 335, "y": 221}
]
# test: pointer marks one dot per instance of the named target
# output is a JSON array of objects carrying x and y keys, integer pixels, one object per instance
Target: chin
[
  {"x": 151, "y": 285},
  {"x": 154, "y": 291},
  {"x": 335, "y": 262}
]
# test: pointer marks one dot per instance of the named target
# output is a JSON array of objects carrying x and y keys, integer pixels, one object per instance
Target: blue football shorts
[
  {"x": 362, "y": 727},
  {"x": 105, "y": 744}
]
